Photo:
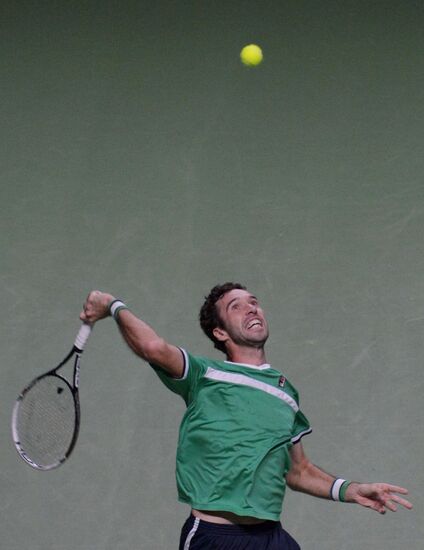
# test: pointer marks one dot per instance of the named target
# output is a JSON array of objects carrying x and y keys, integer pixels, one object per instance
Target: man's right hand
[{"x": 96, "y": 306}]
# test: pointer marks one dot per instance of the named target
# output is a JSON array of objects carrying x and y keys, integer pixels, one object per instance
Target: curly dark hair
[{"x": 209, "y": 317}]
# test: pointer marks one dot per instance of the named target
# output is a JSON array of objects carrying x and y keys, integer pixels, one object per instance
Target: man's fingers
[
  {"x": 96, "y": 306},
  {"x": 396, "y": 489},
  {"x": 390, "y": 505},
  {"x": 390, "y": 501},
  {"x": 92, "y": 296},
  {"x": 402, "y": 501},
  {"x": 393, "y": 498},
  {"x": 383, "y": 496}
]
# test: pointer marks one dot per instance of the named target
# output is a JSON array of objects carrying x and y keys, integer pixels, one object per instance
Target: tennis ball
[{"x": 251, "y": 55}]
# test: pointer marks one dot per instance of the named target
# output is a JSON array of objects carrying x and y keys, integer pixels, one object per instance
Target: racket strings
[{"x": 46, "y": 421}]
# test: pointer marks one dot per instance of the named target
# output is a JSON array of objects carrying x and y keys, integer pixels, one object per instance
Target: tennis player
[{"x": 240, "y": 437}]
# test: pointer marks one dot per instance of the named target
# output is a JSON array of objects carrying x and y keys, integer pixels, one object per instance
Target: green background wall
[{"x": 140, "y": 157}]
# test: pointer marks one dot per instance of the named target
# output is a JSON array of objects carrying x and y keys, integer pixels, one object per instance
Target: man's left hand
[{"x": 377, "y": 496}]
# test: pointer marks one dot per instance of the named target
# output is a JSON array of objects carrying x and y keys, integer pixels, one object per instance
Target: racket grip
[{"x": 82, "y": 336}]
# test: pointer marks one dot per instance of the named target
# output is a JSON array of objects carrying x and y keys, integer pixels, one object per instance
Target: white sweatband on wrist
[
  {"x": 335, "y": 488},
  {"x": 115, "y": 307}
]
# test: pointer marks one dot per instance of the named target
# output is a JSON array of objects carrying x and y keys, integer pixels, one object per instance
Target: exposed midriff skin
[{"x": 225, "y": 518}]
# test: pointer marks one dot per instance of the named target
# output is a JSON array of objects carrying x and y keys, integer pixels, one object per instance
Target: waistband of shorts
[{"x": 234, "y": 529}]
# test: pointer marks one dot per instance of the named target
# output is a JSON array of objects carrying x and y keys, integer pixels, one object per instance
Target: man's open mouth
[{"x": 254, "y": 323}]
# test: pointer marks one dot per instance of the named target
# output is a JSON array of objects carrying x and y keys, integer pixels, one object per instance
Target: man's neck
[{"x": 248, "y": 356}]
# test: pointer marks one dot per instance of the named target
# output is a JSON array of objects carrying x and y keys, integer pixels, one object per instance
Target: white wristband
[
  {"x": 335, "y": 488},
  {"x": 115, "y": 307}
]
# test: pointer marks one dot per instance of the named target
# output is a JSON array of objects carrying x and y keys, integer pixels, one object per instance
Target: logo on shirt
[{"x": 282, "y": 381}]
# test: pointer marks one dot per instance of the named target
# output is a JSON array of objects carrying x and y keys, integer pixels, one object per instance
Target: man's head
[{"x": 231, "y": 316}]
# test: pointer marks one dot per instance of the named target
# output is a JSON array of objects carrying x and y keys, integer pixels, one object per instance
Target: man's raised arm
[{"x": 139, "y": 336}]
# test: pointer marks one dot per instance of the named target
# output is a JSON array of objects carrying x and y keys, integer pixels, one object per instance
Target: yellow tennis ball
[{"x": 251, "y": 55}]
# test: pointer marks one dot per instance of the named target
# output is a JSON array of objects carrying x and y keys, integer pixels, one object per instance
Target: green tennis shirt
[{"x": 235, "y": 436}]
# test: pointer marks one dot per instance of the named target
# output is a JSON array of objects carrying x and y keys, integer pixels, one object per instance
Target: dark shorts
[{"x": 201, "y": 535}]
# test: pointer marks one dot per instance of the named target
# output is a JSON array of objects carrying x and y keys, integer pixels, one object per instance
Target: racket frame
[{"x": 77, "y": 350}]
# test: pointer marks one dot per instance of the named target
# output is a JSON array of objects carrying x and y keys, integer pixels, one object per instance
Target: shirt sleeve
[
  {"x": 301, "y": 427},
  {"x": 186, "y": 385}
]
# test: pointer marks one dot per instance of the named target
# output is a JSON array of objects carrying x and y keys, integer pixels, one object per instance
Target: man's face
[{"x": 242, "y": 319}]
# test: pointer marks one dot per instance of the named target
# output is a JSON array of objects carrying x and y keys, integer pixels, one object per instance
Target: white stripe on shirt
[{"x": 242, "y": 380}]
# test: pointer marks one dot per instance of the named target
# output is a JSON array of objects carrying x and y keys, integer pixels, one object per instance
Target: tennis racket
[{"x": 46, "y": 415}]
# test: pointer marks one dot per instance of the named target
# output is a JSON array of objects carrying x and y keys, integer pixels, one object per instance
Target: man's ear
[{"x": 220, "y": 334}]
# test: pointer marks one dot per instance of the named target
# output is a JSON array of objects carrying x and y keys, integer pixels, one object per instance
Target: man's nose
[{"x": 252, "y": 308}]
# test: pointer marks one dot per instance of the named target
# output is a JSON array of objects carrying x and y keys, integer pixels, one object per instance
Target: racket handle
[{"x": 82, "y": 336}]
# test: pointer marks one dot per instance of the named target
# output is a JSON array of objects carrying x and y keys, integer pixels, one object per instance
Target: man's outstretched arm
[
  {"x": 139, "y": 336},
  {"x": 306, "y": 477}
]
